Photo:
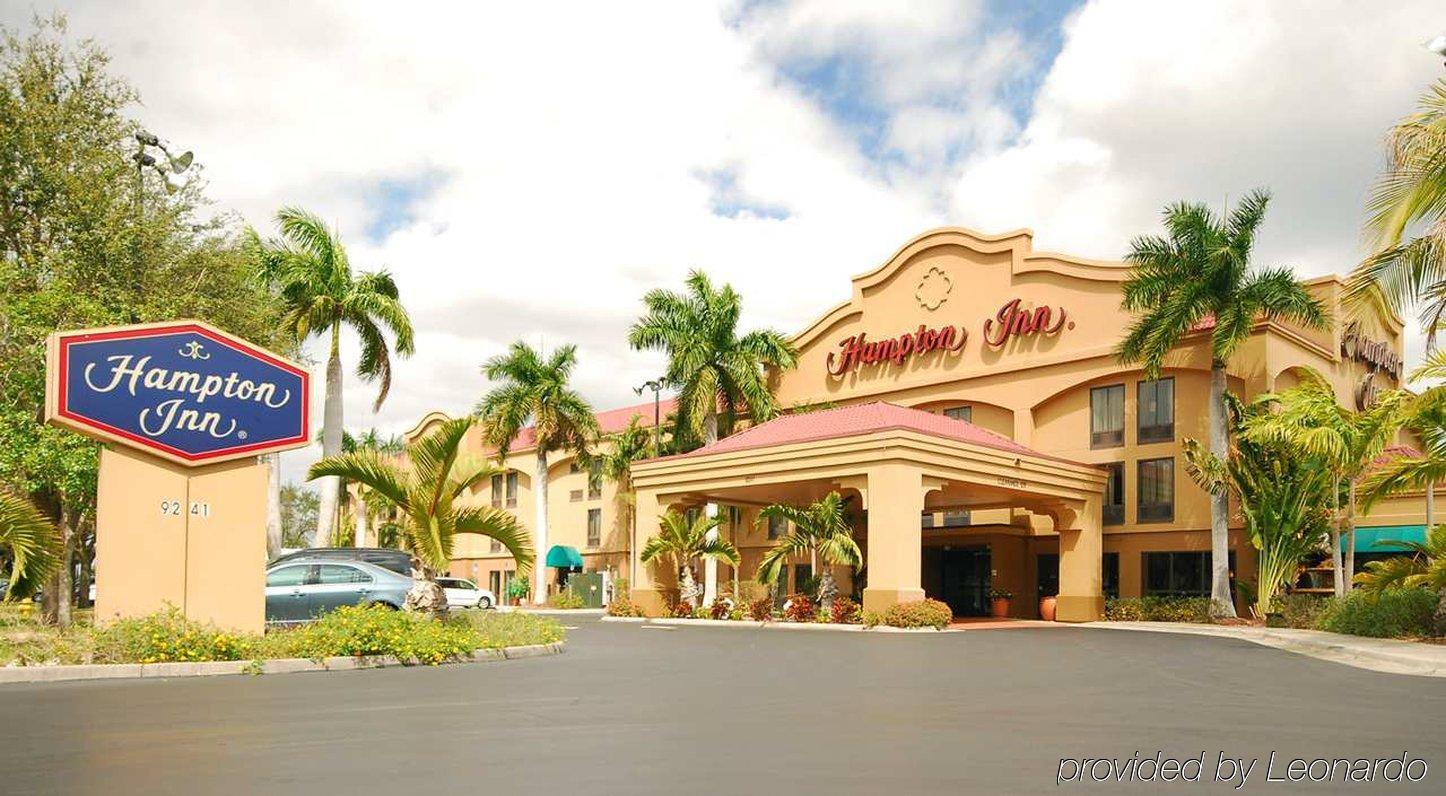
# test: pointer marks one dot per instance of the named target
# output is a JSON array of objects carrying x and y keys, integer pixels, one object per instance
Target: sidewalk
[{"x": 1376, "y": 654}]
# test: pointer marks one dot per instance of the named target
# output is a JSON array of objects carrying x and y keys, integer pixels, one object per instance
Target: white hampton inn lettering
[{"x": 169, "y": 414}]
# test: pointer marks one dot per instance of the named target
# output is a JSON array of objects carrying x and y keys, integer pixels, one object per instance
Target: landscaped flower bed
[
  {"x": 1406, "y": 613},
  {"x": 168, "y": 636},
  {"x": 800, "y": 610}
]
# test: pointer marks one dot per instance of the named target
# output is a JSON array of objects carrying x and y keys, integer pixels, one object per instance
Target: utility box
[{"x": 589, "y": 586}]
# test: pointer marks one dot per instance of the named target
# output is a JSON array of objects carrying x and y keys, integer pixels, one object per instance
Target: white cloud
[{"x": 568, "y": 156}]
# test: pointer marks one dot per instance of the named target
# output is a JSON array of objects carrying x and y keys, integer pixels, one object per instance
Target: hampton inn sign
[{"x": 1012, "y": 321}]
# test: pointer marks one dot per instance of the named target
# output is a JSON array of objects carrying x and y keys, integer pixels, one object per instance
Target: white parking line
[{"x": 657, "y": 627}]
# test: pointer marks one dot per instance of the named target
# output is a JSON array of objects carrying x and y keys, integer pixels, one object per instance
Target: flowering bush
[
  {"x": 761, "y": 609},
  {"x": 167, "y": 636},
  {"x": 376, "y": 630},
  {"x": 845, "y": 612},
  {"x": 720, "y": 609},
  {"x": 683, "y": 611},
  {"x": 921, "y": 613},
  {"x": 565, "y": 599},
  {"x": 1157, "y": 609},
  {"x": 622, "y": 606},
  {"x": 798, "y": 608}
]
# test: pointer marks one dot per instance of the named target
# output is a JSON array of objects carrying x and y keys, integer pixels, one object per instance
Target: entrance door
[{"x": 964, "y": 580}]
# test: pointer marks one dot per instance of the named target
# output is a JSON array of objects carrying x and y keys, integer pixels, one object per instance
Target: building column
[
  {"x": 1081, "y": 548},
  {"x": 710, "y": 565},
  {"x": 895, "y": 503},
  {"x": 644, "y": 590}
]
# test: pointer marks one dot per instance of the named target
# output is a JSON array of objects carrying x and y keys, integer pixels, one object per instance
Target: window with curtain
[
  {"x": 497, "y": 491},
  {"x": 594, "y": 482},
  {"x": 1114, "y": 505},
  {"x": 511, "y": 489},
  {"x": 594, "y": 527},
  {"x": 965, "y": 413},
  {"x": 1156, "y": 484},
  {"x": 1107, "y": 416},
  {"x": 1157, "y": 411}
]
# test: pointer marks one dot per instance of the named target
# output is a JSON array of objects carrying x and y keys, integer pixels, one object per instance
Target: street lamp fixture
[
  {"x": 656, "y": 385},
  {"x": 174, "y": 164},
  {"x": 1437, "y": 45}
]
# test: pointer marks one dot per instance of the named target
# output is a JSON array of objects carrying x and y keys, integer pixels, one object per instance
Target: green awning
[
  {"x": 564, "y": 557},
  {"x": 1378, "y": 539}
]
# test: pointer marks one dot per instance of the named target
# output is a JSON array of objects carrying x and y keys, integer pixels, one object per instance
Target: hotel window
[
  {"x": 511, "y": 489},
  {"x": 1156, "y": 499},
  {"x": 497, "y": 491},
  {"x": 802, "y": 574},
  {"x": 1107, "y": 416},
  {"x": 575, "y": 496},
  {"x": 965, "y": 413},
  {"x": 494, "y": 582},
  {"x": 927, "y": 520},
  {"x": 1114, "y": 507},
  {"x": 594, "y": 527},
  {"x": 594, "y": 482},
  {"x": 956, "y": 518},
  {"x": 1179, "y": 574},
  {"x": 777, "y": 527},
  {"x": 1157, "y": 411},
  {"x": 496, "y": 546}
]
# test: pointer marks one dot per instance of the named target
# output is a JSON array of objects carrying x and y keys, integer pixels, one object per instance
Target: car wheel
[{"x": 483, "y": 604}]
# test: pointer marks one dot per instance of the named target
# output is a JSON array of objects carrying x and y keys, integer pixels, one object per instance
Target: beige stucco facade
[{"x": 1018, "y": 339}]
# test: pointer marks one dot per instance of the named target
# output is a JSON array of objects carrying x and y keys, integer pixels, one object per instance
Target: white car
[{"x": 465, "y": 594}]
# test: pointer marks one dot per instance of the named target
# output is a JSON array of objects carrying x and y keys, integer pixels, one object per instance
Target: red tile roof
[
  {"x": 1391, "y": 453},
  {"x": 856, "y": 420},
  {"x": 610, "y": 421}
]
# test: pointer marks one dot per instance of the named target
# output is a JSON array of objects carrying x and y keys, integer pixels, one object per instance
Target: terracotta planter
[
  {"x": 1000, "y": 608},
  {"x": 1046, "y": 608}
]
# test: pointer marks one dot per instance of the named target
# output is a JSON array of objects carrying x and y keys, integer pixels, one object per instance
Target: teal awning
[
  {"x": 564, "y": 557},
  {"x": 1378, "y": 539}
]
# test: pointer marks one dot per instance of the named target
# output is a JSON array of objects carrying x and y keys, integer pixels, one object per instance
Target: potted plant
[
  {"x": 518, "y": 590},
  {"x": 999, "y": 602},
  {"x": 1047, "y": 604}
]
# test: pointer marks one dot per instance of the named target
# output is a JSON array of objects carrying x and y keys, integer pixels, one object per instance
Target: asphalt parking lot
[{"x": 632, "y": 709}]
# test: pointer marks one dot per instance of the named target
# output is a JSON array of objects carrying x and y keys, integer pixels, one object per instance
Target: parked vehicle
[
  {"x": 397, "y": 561},
  {"x": 462, "y": 593},
  {"x": 300, "y": 590}
]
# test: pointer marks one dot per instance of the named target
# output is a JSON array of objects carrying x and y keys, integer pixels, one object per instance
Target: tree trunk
[
  {"x": 1222, "y": 602},
  {"x": 710, "y": 564},
  {"x": 1350, "y": 557},
  {"x": 331, "y": 430},
  {"x": 359, "y": 508},
  {"x": 687, "y": 586},
  {"x": 64, "y": 579},
  {"x": 426, "y": 596},
  {"x": 827, "y": 589},
  {"x": 273, "y": 505},
  {"x": 539, "y": 497},
  {"x": 1338, "y": 582}
]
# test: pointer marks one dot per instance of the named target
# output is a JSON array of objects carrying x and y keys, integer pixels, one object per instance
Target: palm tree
[
  {"x": 823, "y": 531},
  {"x": 535, "y": 390},
  {"x": 309, "y": 268},
  {"x": 429, "y": 490},
  {"x": 686, "y": 538},
  {"x": 369, "y": 502},
  {"x": 1281, "y": 495},
  {"x": 1310, "y": 420},
  {"x": 32, "y": 543},
  {"x": 708, "y": 363},
  {"x": 1202, "y": 273},
  {"x": 615, "y": 456},
  {"x": 1411, "y": 194}
]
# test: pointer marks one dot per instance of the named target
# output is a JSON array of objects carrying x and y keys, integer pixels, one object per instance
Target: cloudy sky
[{"x": 528, "y": 170}]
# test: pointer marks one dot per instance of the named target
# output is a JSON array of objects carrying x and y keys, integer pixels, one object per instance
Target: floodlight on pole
[{"x": 1437, "y": 45}]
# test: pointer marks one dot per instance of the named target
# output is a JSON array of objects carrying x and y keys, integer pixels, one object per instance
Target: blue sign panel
[{"x": 185, "y": 391}]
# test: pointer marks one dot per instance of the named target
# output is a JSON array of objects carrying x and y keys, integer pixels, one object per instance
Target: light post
[
  {"x": 173, "y": 164},
  {"x": 656, "y": 385}
]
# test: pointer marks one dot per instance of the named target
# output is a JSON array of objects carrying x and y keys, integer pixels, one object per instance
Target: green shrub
[
  {"x": 376, "y": 630},
  {"x": 922, "y": 613},
  {"x": 622, "y": 606},
  {"x": 513, "y": 629},
  {"x": 1300, "y": 611},
  {"x": 872, "y": 619},
  {"x": 565, "y": 599},
  {"x": 1157, "y": 609},
  {"x": 1393, "y": 613},
  {"x": 167, "y": 636}
]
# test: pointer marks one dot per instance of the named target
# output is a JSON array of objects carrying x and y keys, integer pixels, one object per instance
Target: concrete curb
[
  {"x": 1392, "y": 656},
  {"x": 670, "y": 621},
  {"x": 109, "y": 671}
]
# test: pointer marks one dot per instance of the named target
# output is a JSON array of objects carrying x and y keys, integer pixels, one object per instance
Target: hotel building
[{"x": 966, "y": 398}]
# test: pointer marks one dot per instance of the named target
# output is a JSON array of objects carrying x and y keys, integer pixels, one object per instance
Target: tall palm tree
[
  {"x": 685, "y": 538},
  {"x": 709, "y": 364},
  {"x": 820, "y": 529},
  {"x": 1411, "y": 194},
  {"x": 32, "y": 543},
  {"x": 1425, "y": 417},
  {"x": 615, "y": 455},
  {"x": 308, "y": 266},
  {"x": 1422, "y": 565},
  {"x": 534, "y": 389},
  {"x": 429, "y": 491},
  {"x": 1310, "y": 420},
  {"x": 1201, "y": 272}
]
